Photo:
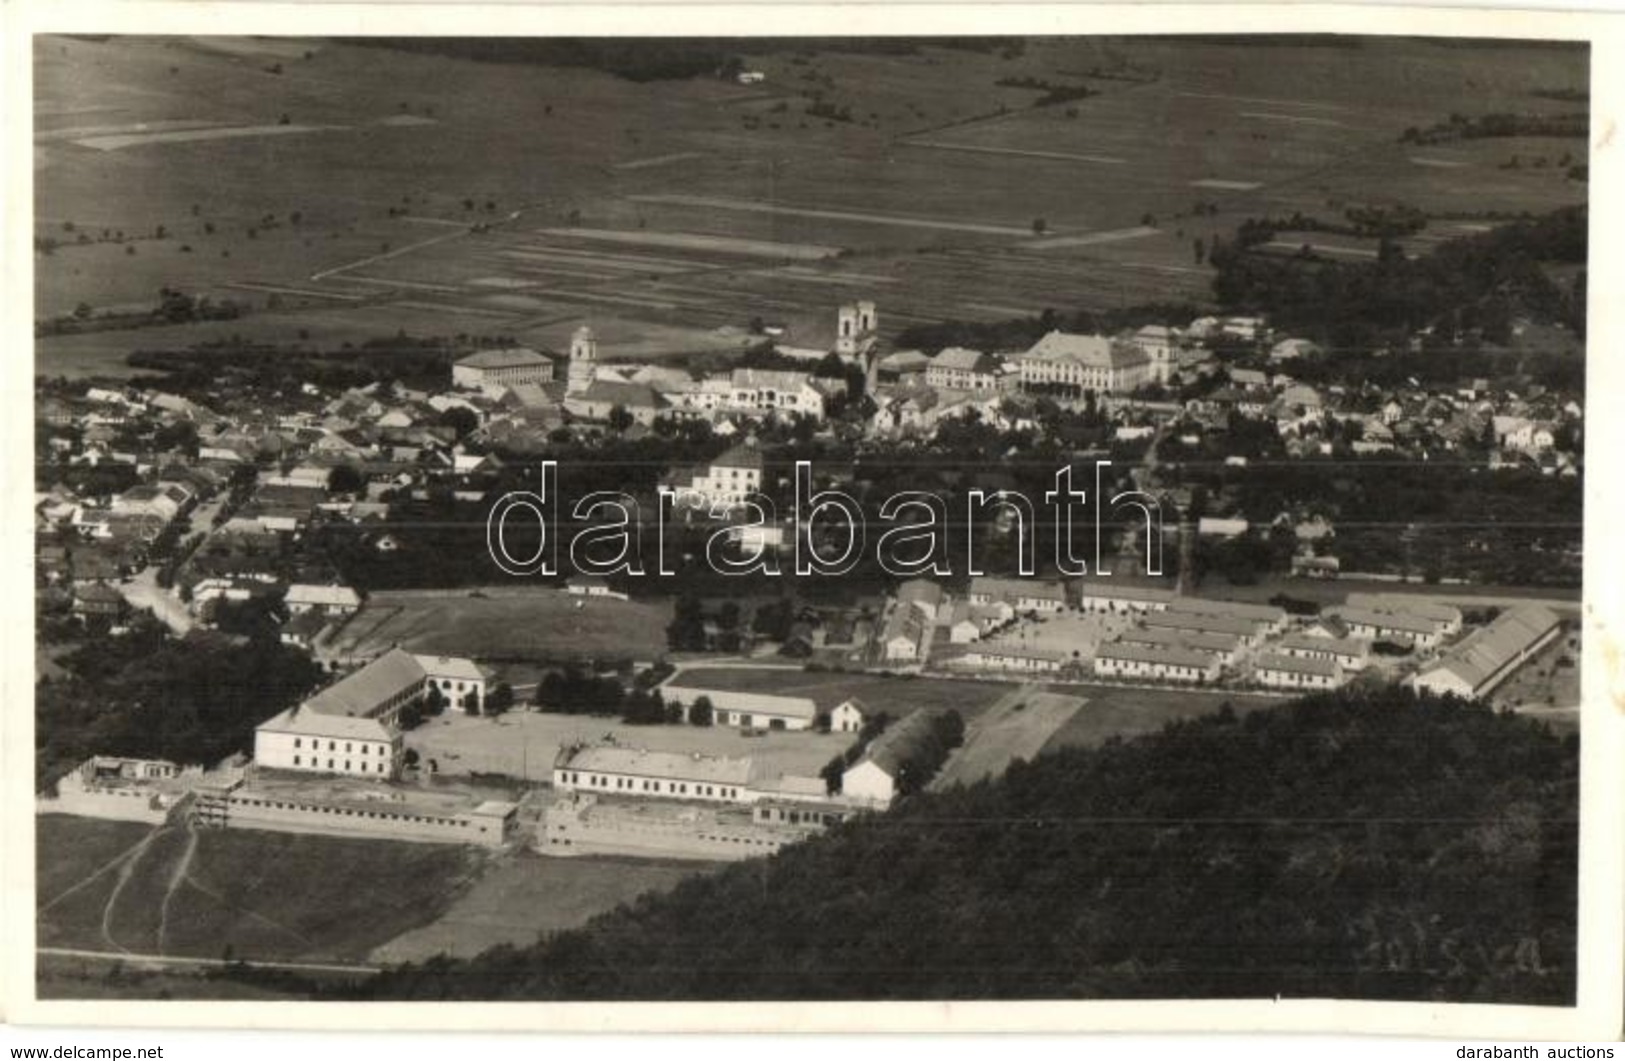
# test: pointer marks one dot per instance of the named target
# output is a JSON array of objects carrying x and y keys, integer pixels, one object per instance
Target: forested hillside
[{"x": 1362, "y": 844}]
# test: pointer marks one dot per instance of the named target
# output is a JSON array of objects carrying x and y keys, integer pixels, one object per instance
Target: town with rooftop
[{"x": 1334, "y": 441}]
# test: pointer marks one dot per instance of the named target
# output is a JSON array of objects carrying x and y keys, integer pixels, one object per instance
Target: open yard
[
  {"x": 525, "y": 895},
  {"x": 506, "y": 623},
  {"x": 110, "y": 887},
  {"x": 524, "y": 743}
]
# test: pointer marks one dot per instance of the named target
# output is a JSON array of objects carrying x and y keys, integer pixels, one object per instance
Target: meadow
[{"x": 668, "y": 214}]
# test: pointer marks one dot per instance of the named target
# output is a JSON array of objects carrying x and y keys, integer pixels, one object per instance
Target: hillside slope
[{"x": 1359, "y": 844}]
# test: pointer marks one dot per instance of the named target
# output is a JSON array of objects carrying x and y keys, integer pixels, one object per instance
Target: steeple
[{"x": 583, "y": 360}]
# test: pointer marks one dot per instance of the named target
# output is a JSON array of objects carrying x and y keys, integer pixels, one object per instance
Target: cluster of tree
[
  {"x": 1052, "y": 93},
  {"x": 1022, "y": 332},
  {"x": 147, "y": 695},
  {"x": 1363, "y": 844},
  {"x": 645, "y": 707},
  {"x": 1474, "y": 284},
  {"x": 941, "y": 732},
  {"x": 268, "y": 368},
  {"x": 1486, "y": 126},
  {"x": 573, "y": 691},
  {"x": 873, "y": 726}
]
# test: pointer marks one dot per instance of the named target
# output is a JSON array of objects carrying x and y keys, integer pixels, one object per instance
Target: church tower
[{"x": 583, "y": 360}]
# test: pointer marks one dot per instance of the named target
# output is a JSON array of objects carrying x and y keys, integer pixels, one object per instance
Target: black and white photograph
[{"x": 896, "y": 517}]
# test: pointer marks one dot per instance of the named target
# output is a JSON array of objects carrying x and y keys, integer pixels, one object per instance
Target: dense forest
[
  {"x": 667, "y": 58},
  {"x": 149, "y": 695},
  {"x": 1475, "y": 285},
  {"x": 1360, "y": 844}
]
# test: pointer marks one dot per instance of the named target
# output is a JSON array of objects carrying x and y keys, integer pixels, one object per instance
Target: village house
[
  {"x": 848, "y": 716},
  {"x": 727, "y": 481},
  {"x": 326, "y": 600}
]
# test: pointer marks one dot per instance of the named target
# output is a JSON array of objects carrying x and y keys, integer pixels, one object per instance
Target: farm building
[
  {"x": 1083, "y": 362},
  {"x": 609, "y": 768},
  {"x": 1224, "y": 646},
  {"x": 1348, "y": 653},
  {"x": 1022, "y": 594},
  {"x": 1281, "y": 671},
  {"x": 1488, "y": 656},
  {"x": 502, "y": 368},
  {"x": 747, "y": 710},
  {"x": 1098, "y": 596},
  {"x": 1165, "y": 663},
  {"x": 350, "y": 727},
  {"x": 1402, "y": 627},
  {"x": 1446, "y": 618}
]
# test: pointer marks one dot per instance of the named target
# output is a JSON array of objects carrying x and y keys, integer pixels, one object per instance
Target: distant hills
[{"x": 1361, "y": 844}]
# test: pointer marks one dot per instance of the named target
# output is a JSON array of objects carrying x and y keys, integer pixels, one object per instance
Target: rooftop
[
  {"x": 360, "y": 693},
  {"x": 1484, "y": 652},
  {"x": 1172, "y": 655},
  {"x": 614, "y": 759},
  {"x": 1276, "y": 661},
  {"x": 799, "y": 707},
  {"x": 508, "y": 357}
]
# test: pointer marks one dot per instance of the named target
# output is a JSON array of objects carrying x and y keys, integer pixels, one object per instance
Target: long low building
[
  {"x": 747, "y": 710},
  {"x": 1446, "y": 618},
  {"x": 1224, "y": 646},
  {"x": 988, "y": 655},
  {"x": 616, "y": 770},
  {"x": 1164, "y": 663},
  {"x": 1097, "y": 595},
  {"x": 1200, "y": 623},
  {"x": 1347, "y": 652},
  {"x": 350, "y": 808},
  {"x": 1401, "y": 627},
  {"x": 1281, "y": 671},
  {"x": 1267, "y": 617},
  {"x": 1489, "y": 655}
]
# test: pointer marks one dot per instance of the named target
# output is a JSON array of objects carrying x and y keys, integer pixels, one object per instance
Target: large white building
[
  {"x": 614, "y": 770},
  {"x": 501, "y": 368},
  {"x": 350, "y": 727},
  {"x": 1084, "y": 363},
  {"x": 727, "y": 481},
  {"x": 1488, "y": 656},
  {"x": 747, "y": 710},
  {"x": 957, "y": 368}
]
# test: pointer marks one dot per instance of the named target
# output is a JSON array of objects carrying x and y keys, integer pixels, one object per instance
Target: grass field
[
  {"x": 507, "y": 624},
  {"x": 65, "y": 977},
  {"x": 935, "y": 182},
  {"x": 1019, "y": 726},
  {"x": 263, "y": 895},
  {"x": 524, "y": 744},
  {"x": 1125, "y": 712},
  {"x": 525, "y": 894}
]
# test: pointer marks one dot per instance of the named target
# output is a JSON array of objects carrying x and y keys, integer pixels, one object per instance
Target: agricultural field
[
  {"x": 668, "y": 214},
  {"x": 525, "y": 895},
  {"x": 109, "y": 886},
  {"x": 505, "y": 623},
  {"x": 524, "y": 744}
]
